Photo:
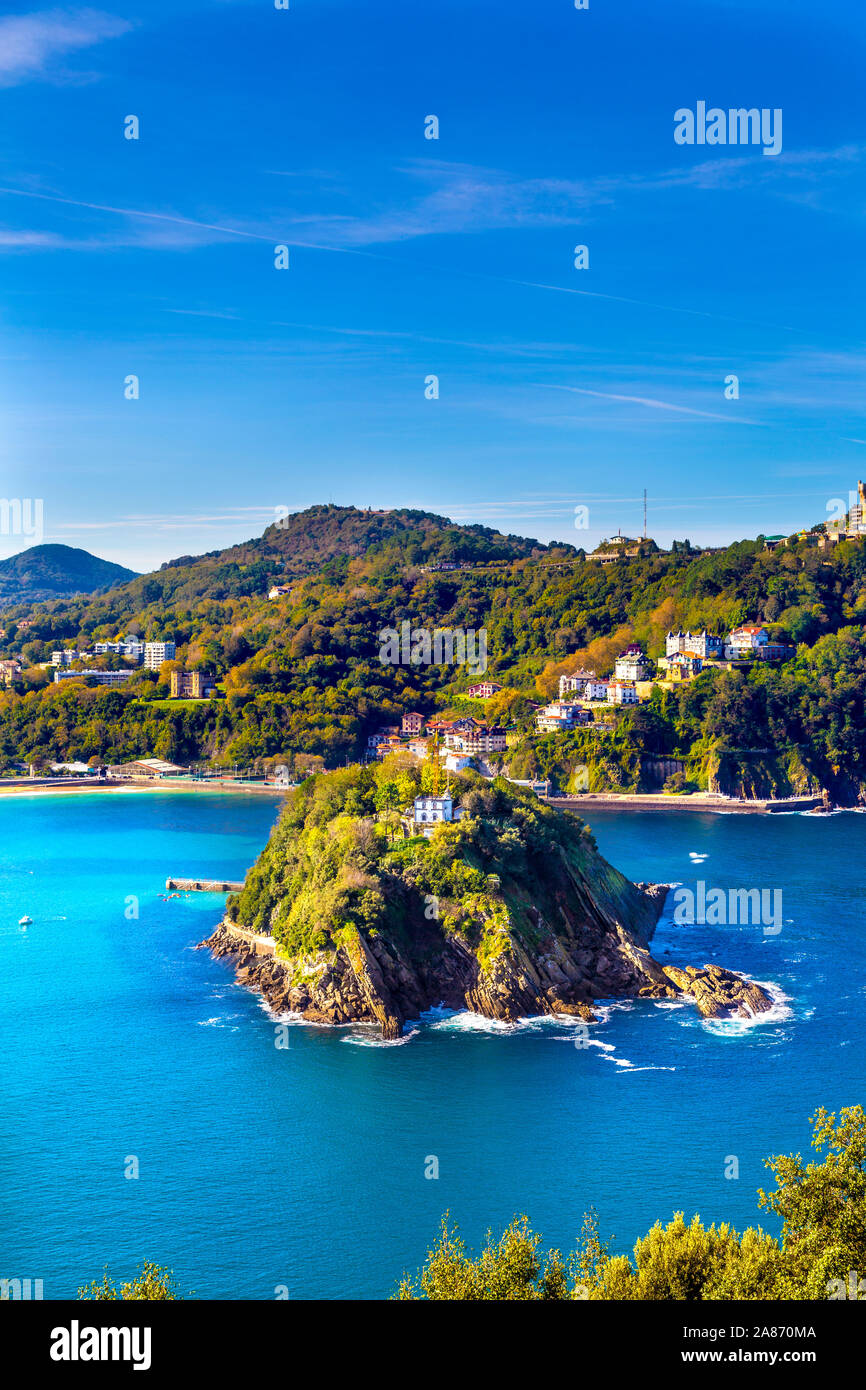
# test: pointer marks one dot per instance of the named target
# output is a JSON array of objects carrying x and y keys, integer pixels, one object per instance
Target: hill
[
  {"x": 305, "y": 677},
  {"x": 56, "y": 571},
  {"x": 509, "y": 911}
]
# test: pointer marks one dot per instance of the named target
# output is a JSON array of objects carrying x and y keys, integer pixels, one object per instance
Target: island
[{"x": 377, "y": 899}]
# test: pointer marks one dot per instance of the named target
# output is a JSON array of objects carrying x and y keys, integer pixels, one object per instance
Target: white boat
[{"x": 25, "y": 921}]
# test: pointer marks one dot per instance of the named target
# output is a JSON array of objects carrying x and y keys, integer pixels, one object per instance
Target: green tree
[{"x": 153, "y": 1282}]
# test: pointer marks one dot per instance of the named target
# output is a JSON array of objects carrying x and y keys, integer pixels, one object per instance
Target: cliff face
[
  {"x": 353, "y": 933},
  {"x": 374, "y": 983}
]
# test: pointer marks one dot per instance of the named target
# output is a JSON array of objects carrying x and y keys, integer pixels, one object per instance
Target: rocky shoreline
[{"x": 371, "y": 980}]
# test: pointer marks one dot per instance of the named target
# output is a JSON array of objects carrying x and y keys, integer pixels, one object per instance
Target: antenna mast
[
  {"x": 435, "y": 761},
  {"x": 644, "y": 513}
]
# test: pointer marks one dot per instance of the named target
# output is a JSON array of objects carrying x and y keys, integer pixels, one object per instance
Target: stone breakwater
[{"x": 374, "y": 980}]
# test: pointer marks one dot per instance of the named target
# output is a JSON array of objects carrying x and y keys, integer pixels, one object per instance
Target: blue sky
[{"x": 409, "y": 257}]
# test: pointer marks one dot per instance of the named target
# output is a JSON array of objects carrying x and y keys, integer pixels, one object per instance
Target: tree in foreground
[
  {"x": 823, "y": 1210},
  {"x": 153, "y": 1283}
]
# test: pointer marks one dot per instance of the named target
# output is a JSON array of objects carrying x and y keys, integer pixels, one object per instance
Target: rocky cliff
[{"x": 353, "y": 934}]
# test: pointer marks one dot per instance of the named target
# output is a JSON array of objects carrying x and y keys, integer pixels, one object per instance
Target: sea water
[{"x": 148, "y": 1114}]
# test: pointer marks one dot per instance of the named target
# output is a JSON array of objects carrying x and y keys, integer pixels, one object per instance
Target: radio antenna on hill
[{"x": 644, "y": 513}]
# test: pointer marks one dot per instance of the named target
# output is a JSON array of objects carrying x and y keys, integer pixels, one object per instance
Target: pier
[{"x": 202, "y": 885}]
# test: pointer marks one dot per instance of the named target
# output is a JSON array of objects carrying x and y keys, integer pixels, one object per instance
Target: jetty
[{"x": 202, "y": 885}]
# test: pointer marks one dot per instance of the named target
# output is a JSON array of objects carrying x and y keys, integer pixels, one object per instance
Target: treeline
[
  {"x": 821, "y": 1207},
  {"x": 302, "y": 673}
]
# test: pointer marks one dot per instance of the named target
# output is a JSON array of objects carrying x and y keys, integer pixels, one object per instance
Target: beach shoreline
[{"x": 60, "y": 788}]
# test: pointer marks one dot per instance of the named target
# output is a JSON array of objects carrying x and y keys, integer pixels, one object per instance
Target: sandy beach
[{"x": 65, "y": 787}]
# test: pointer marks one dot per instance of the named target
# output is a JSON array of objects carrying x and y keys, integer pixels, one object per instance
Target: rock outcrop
[
  {"x": 719, "y": 993},
  {"x": 510, "y": 912},
  {"x": 376, "y": 982}
]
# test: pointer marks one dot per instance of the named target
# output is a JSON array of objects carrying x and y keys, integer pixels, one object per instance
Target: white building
[
  {"x": 456, "y": 762},
  {"x": 633, "y": 666},
  {"x": 155, "y": 653},
  {"x": 67, "y": 656},
  {"x": 746, "y": 639},
  {"x": 430, "y": 811},
  {"x": 101, "y": 677},
  {"x": 131, "y": 647},
  {"x": 621, "y": 693},
  {"x": 484, "y": 690},
  {"x": 703, "y": 644},
  {"x": 575, "y": 684},
  {"x": 596, "y": 689},
  {"x": 279, "y": 590},
  {"x": 475, "y": 741},
  {"x": 561, "y": 714}
]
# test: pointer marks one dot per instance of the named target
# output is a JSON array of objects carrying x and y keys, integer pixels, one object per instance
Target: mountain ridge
[{"x": 44, "y": 572}]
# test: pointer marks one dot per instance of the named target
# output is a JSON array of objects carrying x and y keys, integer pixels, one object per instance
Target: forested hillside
[{"x": 302, "y": 673}]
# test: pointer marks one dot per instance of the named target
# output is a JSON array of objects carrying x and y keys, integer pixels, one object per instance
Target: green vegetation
[
  {"x": 822, "y": 1206},
  {"x": 153, "y": 1283},
  {"x": 302, "y": 674},
  {"x": 341, "y": 863}
]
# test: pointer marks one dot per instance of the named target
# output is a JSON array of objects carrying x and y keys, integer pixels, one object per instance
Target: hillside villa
[
  {"x": 562, "y": 714},
  {"x": 752, "y": 640}
]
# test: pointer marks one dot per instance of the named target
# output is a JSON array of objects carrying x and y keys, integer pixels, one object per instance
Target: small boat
[{"x": 25, "y": 921}]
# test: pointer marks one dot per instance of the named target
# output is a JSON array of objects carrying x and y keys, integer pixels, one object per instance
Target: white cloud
[{"x": 31, "y": 43}]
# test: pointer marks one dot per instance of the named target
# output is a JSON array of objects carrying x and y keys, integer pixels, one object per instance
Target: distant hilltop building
[
  {"x": 484, "y": 690},
  {"x": 703, "y": 644},
  {"x": 850, "y": 526}
]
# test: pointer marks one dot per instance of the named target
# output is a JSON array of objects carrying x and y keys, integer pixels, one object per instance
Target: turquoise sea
[{"x": 304, "y": 1168}]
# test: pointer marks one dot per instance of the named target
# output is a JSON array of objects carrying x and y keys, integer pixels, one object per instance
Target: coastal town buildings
[
  {"x": 412, "y": 723},
  {"x": 478, "y": 740},
  {"x": 146, "y": 769},
  {"x": 155, "y": 653},
  {"x": 562, "y": 714},
  {"x": 621, "y": 693},
  {"x": 575, "y": 683}
]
